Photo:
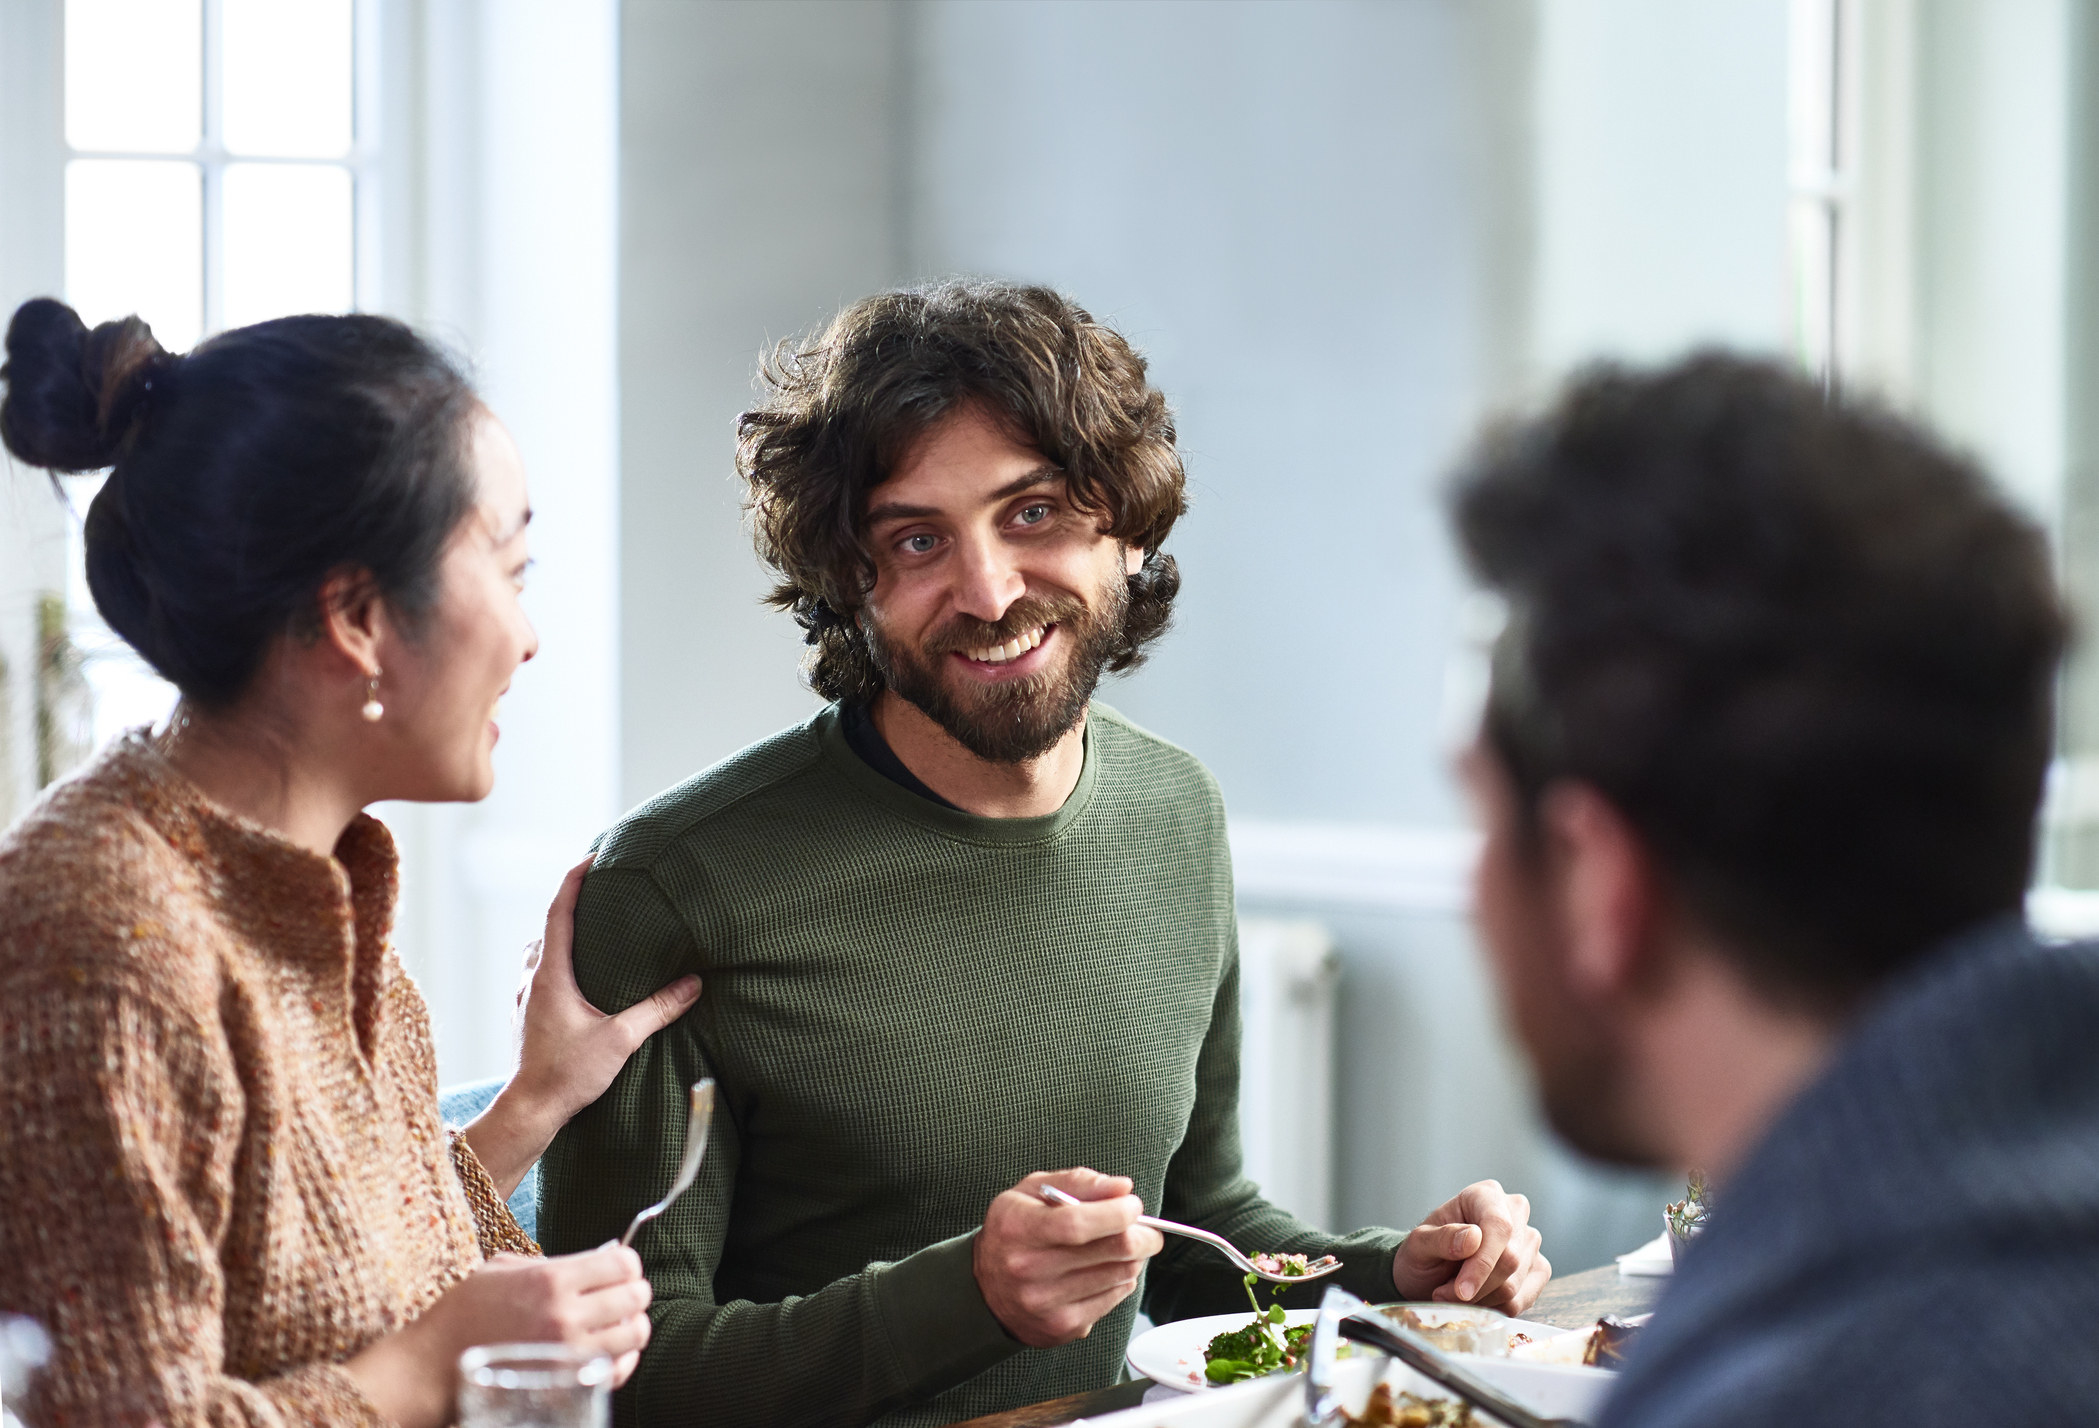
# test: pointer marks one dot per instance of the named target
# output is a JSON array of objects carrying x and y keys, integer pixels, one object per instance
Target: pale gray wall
[
  {"x": 1274, "y": 202},
  {"x": 757, "y": 195}
]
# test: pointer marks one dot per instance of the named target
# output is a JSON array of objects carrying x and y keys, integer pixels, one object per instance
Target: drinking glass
[
  {"x": 533, "y": 1386},
  {"x": 24, "y": 1347}
]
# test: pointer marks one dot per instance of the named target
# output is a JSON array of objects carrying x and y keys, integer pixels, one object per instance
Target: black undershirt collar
[{"x": 857, "y": 723}]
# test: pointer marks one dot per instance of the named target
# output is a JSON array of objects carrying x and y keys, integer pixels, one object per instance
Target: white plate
[
  {"x": 1172, "y": 1354},
  {"x": 1279, "y": 1400}
]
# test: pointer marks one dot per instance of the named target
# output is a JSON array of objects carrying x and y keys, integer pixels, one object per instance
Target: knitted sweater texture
[
  {"x": 222, "y": 1168},
  {"x": 908, "y": 1008}
]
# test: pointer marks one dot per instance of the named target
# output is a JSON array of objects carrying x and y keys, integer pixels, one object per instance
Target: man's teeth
[{"x": 1011, "y": 650}]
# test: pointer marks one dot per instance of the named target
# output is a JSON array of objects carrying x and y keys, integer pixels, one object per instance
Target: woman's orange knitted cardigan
[{"x": 222, "y": 1170}]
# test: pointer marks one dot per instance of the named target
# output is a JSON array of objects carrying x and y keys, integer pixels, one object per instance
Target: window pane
[
  {"x": 134, "y": 75},
  {"x": 287, "y": 241},
  {"x": 134, "y": 243},
  {"x": 287, "y": 77},
  {"x": 123, "y": 690}
]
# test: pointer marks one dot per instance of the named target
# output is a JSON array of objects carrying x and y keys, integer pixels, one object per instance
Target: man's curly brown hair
[{"x": 845, "y": 406}]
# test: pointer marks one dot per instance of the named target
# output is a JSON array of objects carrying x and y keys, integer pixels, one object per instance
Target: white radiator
[{"x": 1287, "y": 974}]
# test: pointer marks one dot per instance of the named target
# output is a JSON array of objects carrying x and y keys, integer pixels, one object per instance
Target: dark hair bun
[
  {"x": 74, "y": 395},
  {"x": 244, "y": 474}
]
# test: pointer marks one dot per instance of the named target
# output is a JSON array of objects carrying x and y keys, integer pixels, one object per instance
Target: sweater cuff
[
  {"x": 324, "y": 1393},
  {"x": 940, "y": 1330},
  {"x": 1367, "y": 1273},
  {"x": 495, "y": 1226}
]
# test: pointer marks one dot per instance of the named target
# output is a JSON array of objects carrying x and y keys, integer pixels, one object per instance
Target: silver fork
[
  {"x": 1318, "y": 1269},
  {"x": 696, "y": 1127}
]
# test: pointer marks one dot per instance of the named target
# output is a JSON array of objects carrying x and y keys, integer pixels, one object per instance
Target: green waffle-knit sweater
[{"x": 908, "y": 1008}]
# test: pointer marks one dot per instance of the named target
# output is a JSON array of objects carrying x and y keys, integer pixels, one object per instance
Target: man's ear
[
  {"x": 1132, "y": 559},
  {"x": 353, "y": 618},
  {"x": 1604, "y": 887}
]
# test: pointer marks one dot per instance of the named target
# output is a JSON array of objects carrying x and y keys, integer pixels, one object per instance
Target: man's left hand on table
[{"x": 1477, "y": 1247}]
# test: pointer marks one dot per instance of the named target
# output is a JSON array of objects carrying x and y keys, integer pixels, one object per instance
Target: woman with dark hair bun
[{"x": 225, "y": 1187}]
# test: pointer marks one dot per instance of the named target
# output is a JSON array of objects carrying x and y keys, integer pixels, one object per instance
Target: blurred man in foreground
[{"x": 1769, "y": 722}]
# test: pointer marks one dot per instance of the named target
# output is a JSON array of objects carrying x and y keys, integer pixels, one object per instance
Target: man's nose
[{"x": 987, "y": 583}]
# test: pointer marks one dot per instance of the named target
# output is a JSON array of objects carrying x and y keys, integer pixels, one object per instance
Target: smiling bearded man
[
  {"x": 1020, "y": 718},
  {"x": 961, "y": 926}
]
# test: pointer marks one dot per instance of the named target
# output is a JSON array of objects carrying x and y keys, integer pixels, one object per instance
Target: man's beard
[
  {"x": 1582, "y": 1082},
  {"x": 1016, "y": 720}
]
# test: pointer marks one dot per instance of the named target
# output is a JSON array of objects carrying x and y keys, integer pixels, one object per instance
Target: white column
[
  {"x": 32, "y": 264},
  {"x": 1992, "y": 171},
  {"x": 512, "y": 185}
]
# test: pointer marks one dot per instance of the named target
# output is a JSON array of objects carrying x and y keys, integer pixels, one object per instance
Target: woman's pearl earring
[{"x": 373, "y": 711}]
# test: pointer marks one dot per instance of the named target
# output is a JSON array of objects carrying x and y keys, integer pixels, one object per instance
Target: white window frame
[
  {"x": 97, "y": 645},
  {"x": 1826, "y": 43},
  {"x": 212, "y": 158}
]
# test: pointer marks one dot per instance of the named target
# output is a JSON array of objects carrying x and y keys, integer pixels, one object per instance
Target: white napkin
[{"x": 1651, "y": 1260}]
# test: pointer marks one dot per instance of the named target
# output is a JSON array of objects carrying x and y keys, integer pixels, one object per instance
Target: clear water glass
[
  {"x": 24, "y": 1348},
  {"x": 534, "y": 1386}
]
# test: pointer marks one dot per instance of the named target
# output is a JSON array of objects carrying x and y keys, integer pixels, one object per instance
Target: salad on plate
[{"x": 1265, "y": 1345}]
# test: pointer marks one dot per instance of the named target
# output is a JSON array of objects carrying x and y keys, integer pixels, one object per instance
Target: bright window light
[
  {"x": 287, "y": 241},
  {"x": 1820, "y": 182},
  {"x": 134, "y": 75},
  {"x": 250, "y": 214},
  {"x": 134, "y": 243},
  {"x": 125, "y": 691},
  {"x": 286, "y": 78}
]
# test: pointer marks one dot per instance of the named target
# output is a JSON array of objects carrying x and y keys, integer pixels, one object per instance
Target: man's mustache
[{"x": 1030, "y": 612}]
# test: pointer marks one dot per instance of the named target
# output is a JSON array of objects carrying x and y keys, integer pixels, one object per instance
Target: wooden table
[
  {"x": 1572, "y": 1301},
  {"x": 1575, "y": 1301}
]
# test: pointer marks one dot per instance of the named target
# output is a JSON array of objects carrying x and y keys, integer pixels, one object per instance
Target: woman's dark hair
[
  {"x": 1807, "y": 651},
  {"x": 845, "y": 406},
  {"x": 244, "y": 475}
]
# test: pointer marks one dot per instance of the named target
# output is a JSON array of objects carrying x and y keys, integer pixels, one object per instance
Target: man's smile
[
  {"x": 1012, "y": 649},
  {"x": 1023, "y": 654}
]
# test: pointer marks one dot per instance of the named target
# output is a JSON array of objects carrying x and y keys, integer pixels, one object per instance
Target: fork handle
[
  {"x": 1170, "y": 1227},
  {"x": 1216, "y": 1242},
  {"x": 634, "y": 1228}
]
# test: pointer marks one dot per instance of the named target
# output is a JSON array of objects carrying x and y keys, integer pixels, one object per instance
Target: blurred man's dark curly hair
[
  {"x": 1806, "y": 651},
  {"x": 845, "y": 407}
]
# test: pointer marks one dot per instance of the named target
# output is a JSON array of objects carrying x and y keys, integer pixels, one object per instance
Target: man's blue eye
[
  {"x": 918, "y": 544},
  {"x": 1033, "y": 515}
]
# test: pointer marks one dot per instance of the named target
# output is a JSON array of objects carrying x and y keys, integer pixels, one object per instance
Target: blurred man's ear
[{"x": 1604, "y": 888}]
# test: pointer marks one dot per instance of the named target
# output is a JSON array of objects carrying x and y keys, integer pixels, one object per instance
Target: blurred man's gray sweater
[{"x": 1917, "y": 1239}]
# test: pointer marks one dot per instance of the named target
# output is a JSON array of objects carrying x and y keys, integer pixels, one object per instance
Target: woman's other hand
[
  {"x": 597, "y": 1302},
  {"x": 568, "y": 1050}
]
